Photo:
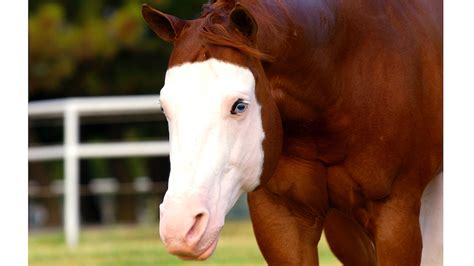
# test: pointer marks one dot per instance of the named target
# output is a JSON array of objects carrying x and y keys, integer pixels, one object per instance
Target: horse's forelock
[
  {"x": 217, "y": 31},
  {"x": 217, "y": 7}
]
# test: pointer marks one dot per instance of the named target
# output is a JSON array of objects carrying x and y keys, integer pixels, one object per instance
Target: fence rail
[
  {"x": 131, "y": 188},
  {"x": 72, "y": 150},
  {"x": 99, "y": 150}
]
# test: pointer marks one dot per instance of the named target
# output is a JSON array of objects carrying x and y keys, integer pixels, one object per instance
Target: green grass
[{"x": 121, "y": 245}]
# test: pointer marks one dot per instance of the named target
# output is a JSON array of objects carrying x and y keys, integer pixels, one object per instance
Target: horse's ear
[
  {"x": 243, "y": 21},
  {"x": 167, "y": 27}
]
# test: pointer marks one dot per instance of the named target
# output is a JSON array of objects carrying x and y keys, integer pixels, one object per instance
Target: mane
[{"x": 217, "y": 30}]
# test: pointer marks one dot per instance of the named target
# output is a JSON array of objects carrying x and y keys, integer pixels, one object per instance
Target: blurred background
[
  {"x": 97, "y": 48},
  {"x": 93, "y": 48}
]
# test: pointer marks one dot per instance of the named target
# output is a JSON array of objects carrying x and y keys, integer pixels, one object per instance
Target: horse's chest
[
  {"x": 302, "y": 185},
  {"x": 344, "y": 192},
  {"x": 346, "y": 195},
  {"x": 360, "y": 180}
]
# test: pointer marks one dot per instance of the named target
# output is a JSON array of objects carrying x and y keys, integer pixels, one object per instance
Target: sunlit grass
[{"x": 122, "y": 245}]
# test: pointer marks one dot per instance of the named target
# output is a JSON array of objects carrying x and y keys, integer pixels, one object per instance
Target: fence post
[{"x": 71, "y": 175}]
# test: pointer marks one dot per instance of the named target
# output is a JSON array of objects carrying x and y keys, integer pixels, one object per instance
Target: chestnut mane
[{"x": 218, "y": 30}]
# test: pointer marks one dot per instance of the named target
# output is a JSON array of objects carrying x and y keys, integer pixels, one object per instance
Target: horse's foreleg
[
  {"x": 283, "y": 237},
  {"x": 348, "y": 240},
  {"x": 396, "y": 228}
]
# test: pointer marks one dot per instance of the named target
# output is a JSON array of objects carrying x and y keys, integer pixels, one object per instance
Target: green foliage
[
  {"x": 97, "y": 47},
  {"x": 48, "y": 47},
  {"x": 126, "y": 26}
]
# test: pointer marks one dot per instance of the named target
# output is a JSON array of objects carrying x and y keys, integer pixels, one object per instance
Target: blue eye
[{"x": 239, "y": 107}]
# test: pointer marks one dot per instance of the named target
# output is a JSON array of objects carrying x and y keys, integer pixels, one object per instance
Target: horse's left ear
[
  {"x": 167, "y": 27},
  {"x": 243, "y": 21}
]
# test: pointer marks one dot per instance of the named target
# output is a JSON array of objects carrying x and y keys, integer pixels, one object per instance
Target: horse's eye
[{"x": 239, "y": 107}]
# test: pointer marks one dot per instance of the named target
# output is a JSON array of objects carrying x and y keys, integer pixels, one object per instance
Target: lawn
[{"x": 121, "y": 245}]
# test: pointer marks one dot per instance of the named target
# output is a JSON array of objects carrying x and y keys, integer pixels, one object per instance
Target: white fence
[{"x": 72, "y": 150}]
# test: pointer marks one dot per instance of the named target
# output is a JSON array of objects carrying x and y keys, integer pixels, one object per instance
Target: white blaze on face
[{"x": 215, "y": 155}]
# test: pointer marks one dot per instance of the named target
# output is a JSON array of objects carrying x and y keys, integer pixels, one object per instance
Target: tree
[{"x": 97, "y": 47}]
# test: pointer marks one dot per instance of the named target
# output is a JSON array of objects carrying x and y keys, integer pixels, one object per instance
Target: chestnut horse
[{"x": 328, "y": 113}]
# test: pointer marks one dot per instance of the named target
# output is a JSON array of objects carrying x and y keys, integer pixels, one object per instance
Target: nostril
[{"x": 198, "y": 227}]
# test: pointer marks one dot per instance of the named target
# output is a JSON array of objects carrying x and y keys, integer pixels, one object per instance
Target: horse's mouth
[{"x": 205, "y": 254}]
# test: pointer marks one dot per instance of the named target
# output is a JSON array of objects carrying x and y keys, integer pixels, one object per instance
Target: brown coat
[{"x": 352, "y": 91}]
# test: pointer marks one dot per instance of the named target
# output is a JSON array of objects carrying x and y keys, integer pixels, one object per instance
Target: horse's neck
[
  {"x": 304, "y": 80},
  {"x": 301, "y": 73},
  {"x": 314, "y": 41}
]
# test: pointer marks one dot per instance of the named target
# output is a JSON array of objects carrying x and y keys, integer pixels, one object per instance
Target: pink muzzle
[{"x": 185, "y": 228}]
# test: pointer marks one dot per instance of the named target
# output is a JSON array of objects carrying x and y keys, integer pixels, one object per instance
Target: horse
[{"x": 327, "y": 113}]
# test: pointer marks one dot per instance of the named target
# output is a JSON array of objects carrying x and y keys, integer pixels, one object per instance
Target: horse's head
[{"x": 225, "y": 129}]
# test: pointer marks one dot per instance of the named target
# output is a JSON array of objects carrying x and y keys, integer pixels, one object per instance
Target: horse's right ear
[
  {"x": 243, "y": 21},
  {"x": 167, "y": 27}
]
